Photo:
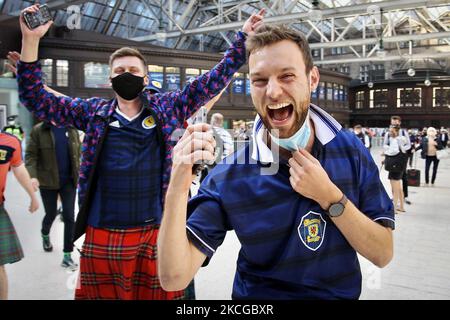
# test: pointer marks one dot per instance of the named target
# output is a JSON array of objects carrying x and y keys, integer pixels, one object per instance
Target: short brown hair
[
  {"x": 270, "y": 34},
  {"x": 396, "y": 118},
  {"x": 127, "y": 52}
]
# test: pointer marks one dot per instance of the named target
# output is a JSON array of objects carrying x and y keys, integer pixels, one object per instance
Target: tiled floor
[{"x": 419, "y": 270}]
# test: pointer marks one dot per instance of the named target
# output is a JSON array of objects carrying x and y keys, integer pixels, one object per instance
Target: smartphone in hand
[
  {"x": 36, "y": 19},
  {"x": 200, "y": 116}
]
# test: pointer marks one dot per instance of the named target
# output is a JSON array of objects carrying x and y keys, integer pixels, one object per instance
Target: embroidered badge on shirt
[
  {"x": 6, "y": 154},
  {"x": 312, "y": 230},
  {"x": 149, "y": 122}
]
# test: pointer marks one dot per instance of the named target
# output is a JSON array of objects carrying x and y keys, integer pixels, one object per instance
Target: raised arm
[
  {"x": 13, "y": 58},
  {"x": 196, "y": 94},
  {"x": 45, "y": 105},
  {"x": 179, "y": 260}
]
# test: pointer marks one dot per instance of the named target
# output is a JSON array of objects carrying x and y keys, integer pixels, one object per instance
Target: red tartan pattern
[{"x": 121, "y": 264}]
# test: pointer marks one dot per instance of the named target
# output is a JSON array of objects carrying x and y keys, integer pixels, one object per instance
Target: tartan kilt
[
  {"x": 120, "y": 264},
  {"x": 10, "y": 248}
]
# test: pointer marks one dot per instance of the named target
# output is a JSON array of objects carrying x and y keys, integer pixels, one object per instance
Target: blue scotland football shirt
[{"x": 290, "y": 247}]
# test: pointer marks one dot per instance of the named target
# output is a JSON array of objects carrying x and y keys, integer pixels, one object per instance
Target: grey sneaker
[
  {"x": 46, "y": 244},
  {"x": 60, "y": 213},
  {"x": 68, "y": 263}
]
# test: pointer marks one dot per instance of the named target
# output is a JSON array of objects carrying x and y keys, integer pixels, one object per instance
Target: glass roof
[{"x": 133, "y": 18}]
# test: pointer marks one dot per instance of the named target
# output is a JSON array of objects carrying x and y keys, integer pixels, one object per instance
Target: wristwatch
[{"x": 336, "y": 209}]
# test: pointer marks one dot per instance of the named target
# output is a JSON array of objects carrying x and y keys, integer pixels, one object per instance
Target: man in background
[
  {"x": 53, "y": 161},
  {"x": 10, "y": 248}
]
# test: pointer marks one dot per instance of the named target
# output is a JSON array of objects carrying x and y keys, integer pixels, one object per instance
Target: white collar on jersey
[
  {"x": 126, "y": 117},
  {"x": 326, "y": 128}
]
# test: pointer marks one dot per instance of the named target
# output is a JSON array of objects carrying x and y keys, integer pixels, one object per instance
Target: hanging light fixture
[
  {"x": 380, "y": 52},
  {"x": 411, "y": 71},
  {"x": 370, "y": 84},
  {"x": 427, "y": 81},
  {"x": 315, "y": 14}
]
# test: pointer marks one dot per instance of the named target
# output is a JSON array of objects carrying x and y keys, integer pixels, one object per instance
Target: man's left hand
[
  {"x": 13, "y": 57},
  {"x": 310, "y": 180},
  {"x": 253, "y": 22}
]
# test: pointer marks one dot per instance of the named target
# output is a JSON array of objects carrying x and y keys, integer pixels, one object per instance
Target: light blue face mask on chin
[{"x": 298, "y": 141}]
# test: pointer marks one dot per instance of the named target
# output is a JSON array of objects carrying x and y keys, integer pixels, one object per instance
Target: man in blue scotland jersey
[{"x": 301, "y": 227}]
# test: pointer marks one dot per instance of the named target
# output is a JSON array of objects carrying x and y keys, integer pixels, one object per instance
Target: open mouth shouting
[{"x": 280, "y": 114}]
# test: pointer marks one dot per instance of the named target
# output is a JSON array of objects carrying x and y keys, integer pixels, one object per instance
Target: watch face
[{"x": 336, "y": 209}]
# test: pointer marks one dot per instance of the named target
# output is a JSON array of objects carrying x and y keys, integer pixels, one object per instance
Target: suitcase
[{"x": 413, "y": 175}]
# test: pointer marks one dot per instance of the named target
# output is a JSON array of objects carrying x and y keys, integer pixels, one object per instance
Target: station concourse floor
[{"x": 419, "y": 269}]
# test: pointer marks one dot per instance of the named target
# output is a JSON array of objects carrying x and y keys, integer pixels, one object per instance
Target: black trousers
[
  {"x": 405, "y": 177},
  {"x": 428, "y": 161},
  {"x": 50, "y": 199}
]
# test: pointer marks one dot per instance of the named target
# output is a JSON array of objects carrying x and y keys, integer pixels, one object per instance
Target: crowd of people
[
  {"x": 147, "y": 234},
  {"x": 400, "y": 147}
]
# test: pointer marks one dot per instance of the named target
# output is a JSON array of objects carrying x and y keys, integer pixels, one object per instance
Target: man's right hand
[
  {"x": 35, "y": 184},
  {"x": 34, "y": 205},
  {"x": 197, "y": 144},
  {"x": 36, "y": 33}
]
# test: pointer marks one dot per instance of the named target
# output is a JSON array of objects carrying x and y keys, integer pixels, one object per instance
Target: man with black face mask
[{"x": 126, "y": 161}]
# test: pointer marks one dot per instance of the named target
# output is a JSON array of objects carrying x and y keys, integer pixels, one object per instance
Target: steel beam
[
  {"x": 53, "y": 5},
  {"x": 400, "y": 38},
  {"x": 339, "y": 12},
  {"x": 441, "y": 55}
]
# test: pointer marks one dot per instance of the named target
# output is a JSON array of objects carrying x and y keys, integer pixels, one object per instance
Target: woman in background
[{"x": 396, "y": 146}]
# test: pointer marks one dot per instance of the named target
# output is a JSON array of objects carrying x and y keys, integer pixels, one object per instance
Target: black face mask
[{"x": 127, "y": 86}]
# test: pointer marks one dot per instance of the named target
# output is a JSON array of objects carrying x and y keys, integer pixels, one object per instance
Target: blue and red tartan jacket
[{"x": 92, "y": 115}]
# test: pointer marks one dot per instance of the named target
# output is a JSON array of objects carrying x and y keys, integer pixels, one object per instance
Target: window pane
[
  {"x": 409, "y": 97},
  {"x": 191, "y": 74},
  {"x": 336, "y": 92},
  {"x": 329, "y": 91},
  {"x": 441, "y": 97},
  {"x": 62, "y": 73},
  {"x": 321, "y": 90},
  {"x": 172, "y": 82},
  {"x": 238, "y": 83},
  {"x": 96, "y": 75},
  {"x": 156, "y": 73},
  {"x": 381, "y": 98},
  {"x": 360, "y": 100},
  {"x": 47, "y": 71}
]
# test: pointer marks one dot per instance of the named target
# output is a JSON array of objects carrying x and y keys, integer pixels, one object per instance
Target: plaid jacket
[{"x": 92, "y": 115}]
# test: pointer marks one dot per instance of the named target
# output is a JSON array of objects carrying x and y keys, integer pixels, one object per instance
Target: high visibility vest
[{"x": 15, "y": 131}]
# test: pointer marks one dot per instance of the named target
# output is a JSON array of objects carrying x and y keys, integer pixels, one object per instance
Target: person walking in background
[
  {"x": 10, "y": 248},
  {"x": 397, "y": 121},
  {"x": 396, "y": 146},
  {"x": 413, "y": 140},
  {"x": 227, "y": 140},
  {"x": 52, "y": 158},
  {"x": 444, "y": 138},
  {"x": 362, "y": 136},
  {"x": 14, "y": 128},
  {"x": 429, "y": 145}
]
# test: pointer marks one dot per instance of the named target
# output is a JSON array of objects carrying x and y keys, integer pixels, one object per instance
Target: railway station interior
[{"x": 378, "y": 61}]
